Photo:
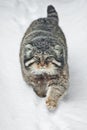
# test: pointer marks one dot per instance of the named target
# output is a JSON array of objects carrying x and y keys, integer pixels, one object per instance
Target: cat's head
[{"x": 43, "y": 57}]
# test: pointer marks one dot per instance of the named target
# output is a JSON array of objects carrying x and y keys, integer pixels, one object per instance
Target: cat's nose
[{"x": 42, "y": 63}]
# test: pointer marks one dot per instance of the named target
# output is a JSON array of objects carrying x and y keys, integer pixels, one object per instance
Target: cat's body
[{"x": 43, "y": 57}]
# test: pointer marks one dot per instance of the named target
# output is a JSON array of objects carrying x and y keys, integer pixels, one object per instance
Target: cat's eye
[
  {"x": 49, "y": 59},
  {"x": 37, "y": 59}
]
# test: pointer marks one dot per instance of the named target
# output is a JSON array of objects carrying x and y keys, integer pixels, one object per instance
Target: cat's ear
[
  {"x": 27, "y": 50},
  {"x": 52, "y": 14},
  {"x": 28, "y": 47}
]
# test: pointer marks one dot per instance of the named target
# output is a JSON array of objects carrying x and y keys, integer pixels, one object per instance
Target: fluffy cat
[{"x": 43, "y": 58}]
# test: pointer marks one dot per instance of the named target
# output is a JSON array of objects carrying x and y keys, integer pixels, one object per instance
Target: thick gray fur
[{"x": 44, "y": 41}]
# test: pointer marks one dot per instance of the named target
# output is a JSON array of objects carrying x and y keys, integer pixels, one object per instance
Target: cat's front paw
[{"x": 51, "y": 103}]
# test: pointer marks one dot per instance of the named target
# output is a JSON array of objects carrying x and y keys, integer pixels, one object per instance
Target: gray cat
[{"x": 43, "y": 58}]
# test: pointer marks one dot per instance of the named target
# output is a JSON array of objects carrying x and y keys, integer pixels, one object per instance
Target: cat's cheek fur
[{"x": 51, "y": 69}]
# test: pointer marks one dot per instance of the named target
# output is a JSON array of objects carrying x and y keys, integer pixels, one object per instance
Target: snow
[{"x": 20, "y": 108}]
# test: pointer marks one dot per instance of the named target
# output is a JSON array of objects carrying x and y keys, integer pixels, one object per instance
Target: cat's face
[{"x": 46, "y": 59}]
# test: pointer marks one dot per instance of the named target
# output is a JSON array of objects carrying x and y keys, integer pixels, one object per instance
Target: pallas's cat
[{"x": 43, "y": 58}]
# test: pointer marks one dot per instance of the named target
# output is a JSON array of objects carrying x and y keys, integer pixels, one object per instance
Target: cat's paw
[{"x": 51, "y": 103}]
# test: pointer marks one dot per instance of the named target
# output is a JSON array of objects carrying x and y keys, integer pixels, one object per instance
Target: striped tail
[{"x": 51, "y": 13}]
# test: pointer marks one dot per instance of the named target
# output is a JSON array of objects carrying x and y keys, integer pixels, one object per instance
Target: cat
[{"x": 43, "y": 58}]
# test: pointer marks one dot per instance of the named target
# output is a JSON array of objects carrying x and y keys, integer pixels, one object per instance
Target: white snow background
[{"x": 20, "y": 108}]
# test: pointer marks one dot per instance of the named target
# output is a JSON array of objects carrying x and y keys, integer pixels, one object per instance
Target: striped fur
[{"x": 43, "y": 58}]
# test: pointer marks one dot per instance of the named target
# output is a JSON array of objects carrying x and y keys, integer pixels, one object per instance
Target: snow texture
[{"x": 20, "y": 108}]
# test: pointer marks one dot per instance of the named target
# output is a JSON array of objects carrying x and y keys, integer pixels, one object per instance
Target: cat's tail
[{"x": 51, "y": 13}]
